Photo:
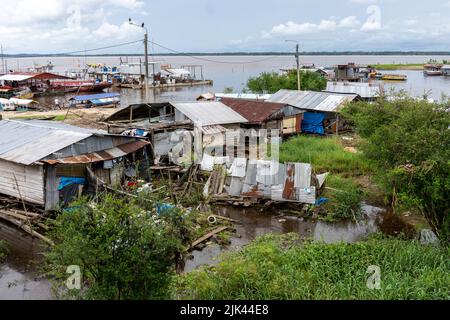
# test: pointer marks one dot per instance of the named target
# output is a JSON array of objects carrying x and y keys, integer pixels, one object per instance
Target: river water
[
  {"x": 234, "y": 71},
  {"x": 19, "y": 276}
]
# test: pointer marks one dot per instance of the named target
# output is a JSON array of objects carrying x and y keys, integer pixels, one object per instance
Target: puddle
[
  {"x": 18, "y": 277},
  {"x": 254, "y": 223}
]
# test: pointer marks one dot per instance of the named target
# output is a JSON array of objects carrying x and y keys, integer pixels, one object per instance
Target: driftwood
[
  {"x": 207, "y": 236},
  {"x": 25, "y": 228},
  {"x": 224, "y": 218}
]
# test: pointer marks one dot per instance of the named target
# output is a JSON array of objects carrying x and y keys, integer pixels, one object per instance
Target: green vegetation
[
  {"x": 325, "y": 154},
  {"x": 124, "y": 248},
  {"x": 409, "y": 142},
  {"x": 272, "y": 82},
  {"x": 280, "y": 267},
  {"x": 399, "y": 66},
  {"x": 3, "y": 251}
]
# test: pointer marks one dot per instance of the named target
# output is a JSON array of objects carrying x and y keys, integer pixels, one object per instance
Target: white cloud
[
  {"x": 363, "y": 1},
  {"x": 61, "y": 22},
  {"x": 292, "y": 28}
]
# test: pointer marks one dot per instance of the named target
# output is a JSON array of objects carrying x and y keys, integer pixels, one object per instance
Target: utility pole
[
  {"x": 145, "y": 49},
  {"x": 146, "y": 58},
  {"x": 297, "y": 58},
  {"x": 3, "y": 61}
]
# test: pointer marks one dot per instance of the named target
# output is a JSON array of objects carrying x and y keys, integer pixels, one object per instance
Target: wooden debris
[{"x": 207, "y": 236}]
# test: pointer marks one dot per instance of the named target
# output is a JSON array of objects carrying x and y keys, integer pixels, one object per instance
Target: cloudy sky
[{"x": 55, "y": 26}]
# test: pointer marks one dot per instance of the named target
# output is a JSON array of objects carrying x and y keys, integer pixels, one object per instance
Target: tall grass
[
  {"x": 325, "y": 154},
  {"x": 277, "y": 267}
]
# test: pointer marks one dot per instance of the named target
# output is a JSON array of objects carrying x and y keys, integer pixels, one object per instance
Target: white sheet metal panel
[
  {"x": 312, "y": 100},
  {"x": 303, "y": 173},
  {"x": 264, "y": 174},
  {"x": 209, "y": 113},
  {"x": 239, "y": 168},
  {"x": 306, "y": 195},
  {"x": 235, "y": 187},
  {"x": 30, "y": 180}
]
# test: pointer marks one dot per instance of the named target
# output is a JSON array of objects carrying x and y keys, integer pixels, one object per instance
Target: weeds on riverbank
[
  {"x": 325, "y": 154},
  {"x": 281, "y": 267},
  {"x": 3, "y": 251}
]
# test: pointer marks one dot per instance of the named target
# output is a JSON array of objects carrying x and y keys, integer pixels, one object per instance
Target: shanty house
[
  {"x": 267, "y": 115},
  {"x": 158, "y": 122},
  {"x": 321, "y": 108},
  {"x": 42, "y": 162}
]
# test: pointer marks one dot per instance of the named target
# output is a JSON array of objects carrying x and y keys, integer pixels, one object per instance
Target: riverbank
[{"x": 401, "y": 66}]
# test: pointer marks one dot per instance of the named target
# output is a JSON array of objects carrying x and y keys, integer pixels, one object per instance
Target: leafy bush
[
  {"x": 272, "y": 82},
  {"x": 124, "y": 250},
  {"x": 278, "y": 267},
  {"x": 409, "y": 141},
  {"x": 3, "y": 251},
  {"x": 345, "y": 198}
]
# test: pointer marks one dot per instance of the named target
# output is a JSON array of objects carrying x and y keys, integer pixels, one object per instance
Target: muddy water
[
  {"x": 254, "y": 223},
  {"x": 18, "y": 275}
]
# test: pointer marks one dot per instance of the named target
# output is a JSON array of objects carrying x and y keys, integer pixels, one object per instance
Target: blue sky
[{"x": 31, "y": 26}]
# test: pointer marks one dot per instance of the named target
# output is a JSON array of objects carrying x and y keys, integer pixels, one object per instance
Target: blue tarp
[
  {"x": 313, "y": 123},
  {"x": 96, "y": 96},
  {"x": 67, "y": 181}
]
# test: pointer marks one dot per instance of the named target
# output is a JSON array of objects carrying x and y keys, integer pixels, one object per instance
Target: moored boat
[
  {"x": 432, "y": 69},
  {"x": 78, "y": 86},
  {"x": 394, "y": 77}
]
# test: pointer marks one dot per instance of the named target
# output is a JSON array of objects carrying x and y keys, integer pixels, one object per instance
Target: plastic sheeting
[
  {"x": 313, "y": 123},
  {"x": 67, "y": 181}
]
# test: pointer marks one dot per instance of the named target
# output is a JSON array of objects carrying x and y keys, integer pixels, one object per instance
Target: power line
[
  {"x": 209, "y": 60},
  {"x": 102, "y": 48}
]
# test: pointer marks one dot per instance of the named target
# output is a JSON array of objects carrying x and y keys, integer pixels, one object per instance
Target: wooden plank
[{"x": 207, "y": 236}]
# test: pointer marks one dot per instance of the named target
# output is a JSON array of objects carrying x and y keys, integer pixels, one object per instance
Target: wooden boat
[
  {"x": 394, "y": 77},
  {"x": 7, "y": 92},
  {"x": 432, "y": 73},
  {"x": 78, "y": 86}
]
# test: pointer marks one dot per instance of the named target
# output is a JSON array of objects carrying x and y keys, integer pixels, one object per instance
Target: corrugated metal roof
[
  {"x": 364, "y": 90},
  {"x": 15, "y": 77},
  {"x": 209, "y": 113},
  {"x": 252, "y": 96},
  {"x": 312, "y": 100},
  {"x": 104, "y": 155},
  {"x": 254, "y": 111},
  {"x": 29, "y": 141}
]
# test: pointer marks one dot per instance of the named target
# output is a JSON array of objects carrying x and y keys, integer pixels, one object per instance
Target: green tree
[
  {"x": 271, "y": 82},
  {"x": 124, "y": 250},
  {"x": 410, "y": 141}
]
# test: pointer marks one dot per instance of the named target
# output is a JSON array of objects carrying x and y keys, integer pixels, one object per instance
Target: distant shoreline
[{"x": 340, "y": 53}]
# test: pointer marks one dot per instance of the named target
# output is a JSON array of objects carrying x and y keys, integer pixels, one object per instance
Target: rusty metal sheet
[
  {"x": 102, "y": 155},
  {"x": 289, "y": 189}
]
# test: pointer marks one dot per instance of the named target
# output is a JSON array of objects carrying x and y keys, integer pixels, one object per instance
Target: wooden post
[{"x": 337, "y": 124}]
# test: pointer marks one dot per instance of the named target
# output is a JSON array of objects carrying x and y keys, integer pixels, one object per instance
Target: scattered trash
[{"x": 428, "y": 237}]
